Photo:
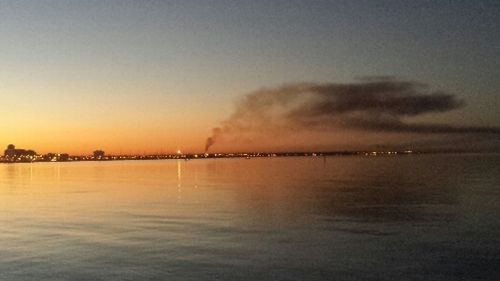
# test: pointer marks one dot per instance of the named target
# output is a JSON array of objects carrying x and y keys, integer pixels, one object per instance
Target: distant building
[
  {"x": 98, "y": 154},
  {"x": 10, "y": 151},
  {"x": 19, "y": 155},
  {"x": 50, "y": 157},
  {"x": 63, "y": 157},
  {"x": 55, "y": 157}
]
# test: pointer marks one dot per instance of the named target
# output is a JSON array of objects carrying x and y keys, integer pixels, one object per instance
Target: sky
[{"x": 157, "y": 76}]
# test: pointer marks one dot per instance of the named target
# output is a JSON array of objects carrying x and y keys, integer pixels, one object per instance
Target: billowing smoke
[
  {"x": 380, "y": 104},
  {"x": 211, "y": 140}
]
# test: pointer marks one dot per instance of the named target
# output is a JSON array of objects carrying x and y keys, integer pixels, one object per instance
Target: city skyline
[{"x": 144, "y": 77}]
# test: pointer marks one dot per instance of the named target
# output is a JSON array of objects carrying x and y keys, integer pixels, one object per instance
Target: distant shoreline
[{"x": 245, "y": 155}]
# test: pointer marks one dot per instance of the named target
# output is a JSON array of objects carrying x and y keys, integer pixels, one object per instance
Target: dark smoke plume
[{"x": 377, "y": 104}]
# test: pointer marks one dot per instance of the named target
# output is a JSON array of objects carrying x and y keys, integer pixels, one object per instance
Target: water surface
[{"x": 420, "y": 217}]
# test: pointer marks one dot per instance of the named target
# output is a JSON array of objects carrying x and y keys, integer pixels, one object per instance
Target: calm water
[{"x": 430, "y": 217}]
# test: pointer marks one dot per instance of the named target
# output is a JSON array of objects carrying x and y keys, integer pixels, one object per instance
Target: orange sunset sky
[{"x": 138, "y": 77}]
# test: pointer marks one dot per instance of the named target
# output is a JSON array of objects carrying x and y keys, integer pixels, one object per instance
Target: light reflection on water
[{"x": 430, "y": 217}]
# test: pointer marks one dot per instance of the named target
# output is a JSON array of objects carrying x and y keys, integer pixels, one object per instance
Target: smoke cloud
[{"x": 378, "y": 104}]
